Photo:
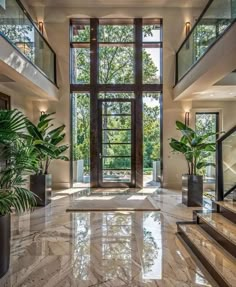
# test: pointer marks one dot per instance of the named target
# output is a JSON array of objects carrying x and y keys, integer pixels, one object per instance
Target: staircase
[{"x": 211, "y": 237}]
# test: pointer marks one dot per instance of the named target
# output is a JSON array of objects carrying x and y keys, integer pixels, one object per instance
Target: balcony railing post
[{"x": 219, "y": 172}]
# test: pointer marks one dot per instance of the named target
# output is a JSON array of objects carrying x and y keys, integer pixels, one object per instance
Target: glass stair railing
[
  {"x": 215, "y": 19},
  {"x": 226, "y": 165},
  {"x": 17, "y": 27}
]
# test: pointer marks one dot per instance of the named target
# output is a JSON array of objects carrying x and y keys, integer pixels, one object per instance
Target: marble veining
[
  {"x": 221, "y": 224},
  {"x": 53, "y": 248},
  {"x": 215, "y": 255}
]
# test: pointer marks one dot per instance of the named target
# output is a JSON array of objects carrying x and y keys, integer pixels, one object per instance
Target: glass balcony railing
[
  {"x": 213, "y": 22},
  {"x": 17, "y": 27},
  {"x": 226, "y": 164}
]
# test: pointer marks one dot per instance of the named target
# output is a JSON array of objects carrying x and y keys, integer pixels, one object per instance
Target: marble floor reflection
[{"x": 51, "y": 247}]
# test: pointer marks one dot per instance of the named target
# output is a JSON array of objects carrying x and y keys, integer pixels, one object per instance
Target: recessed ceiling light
[
  {"x": 230, "y": 93},
  {"x": 211, "y": 95}
]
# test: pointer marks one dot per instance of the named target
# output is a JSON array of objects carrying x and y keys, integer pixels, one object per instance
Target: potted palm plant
[
  {"x": 17, "y": 160},
  {"x": 46, "y": 140},
  {"x": 196, "y": 149}
]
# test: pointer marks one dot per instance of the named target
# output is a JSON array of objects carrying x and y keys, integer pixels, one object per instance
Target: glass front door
[{"x": 116, "y": 136}]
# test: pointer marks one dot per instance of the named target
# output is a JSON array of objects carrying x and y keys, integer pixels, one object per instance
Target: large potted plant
[
  {"x": 17, "y": 161},
  {"x": 196, "y": 148},
  {"x": 46, "y": 140}
]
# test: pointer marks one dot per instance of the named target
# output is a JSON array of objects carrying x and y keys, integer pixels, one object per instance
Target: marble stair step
[
  {"x": 219, "y": 259},
  {"x": 220, "y": 224},
  {"x": 227, "y": 204}
]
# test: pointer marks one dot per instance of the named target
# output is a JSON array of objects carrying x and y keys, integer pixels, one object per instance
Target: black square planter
[
  {"x": 5, "y": 235},
  {"x": 192, "y": 190},
  {"x": 41, "y": 185}
]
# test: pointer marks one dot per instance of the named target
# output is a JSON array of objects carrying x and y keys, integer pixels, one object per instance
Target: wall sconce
[
  {"x": 40, "y": 25},
  {"x": 42, "y": 113},
  {"x": 186, "y": 118},
  {"x": 187, "y": 28},
  {"x": 187, "y": 31}
]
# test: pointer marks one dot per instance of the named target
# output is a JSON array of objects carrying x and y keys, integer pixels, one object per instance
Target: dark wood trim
[
  {"x": 219, "y": 172},
  {"x": 7, "y": 100},
  {"x": 115, "y": 88},
  {"x": 100, "y": 142},
  {"x": 139, "y": 102},
  {"x": 94, "y": 128}
]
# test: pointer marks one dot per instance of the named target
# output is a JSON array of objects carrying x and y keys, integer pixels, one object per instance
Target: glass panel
[
  {"x": 207, "y": 123},
  {"x": 116, "y": 33},
  {"x": 151, "y": 66},
  {"x": 116, "y": 122},
  {"x": 18, "y": 29},
  {"x": 81, "y": 138},
  {"x": 116, "y": 108},
  {"x": 116, "y": 65},
  {"x": 214, "y": 22},
  {"x": 80, "y": 66},
  {"x": 116, "y": 95},
  {"x": 117, "y": 163},
  {"x": 151, "y": 138},
  {"x": 229, "y": 162},
  {"x": 151, "y": 33},
  {"x": 116, "y": 136},
  {"x": 116, "y": 176},
  {"x": 80, "y": 33},
  {"x": 117, "y": 149}
]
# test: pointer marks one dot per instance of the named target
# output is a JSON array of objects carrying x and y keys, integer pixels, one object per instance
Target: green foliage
[
  {"x": 116, "y": 67},
  {"x": 19, "y": 161},
  {"x": 151, "y": 129},
  {"x": 20, "y": 34},
  {"x": 46, "y": 140},
  {"x": 205, "y": 34},
  {"x": 194, "y": 146},
  {"x": 206, "y": 123}
]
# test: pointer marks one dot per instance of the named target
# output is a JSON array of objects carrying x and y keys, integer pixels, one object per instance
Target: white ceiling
[
  {"x": 216, "y": 93},
  {"x": 118, "y": 3}
]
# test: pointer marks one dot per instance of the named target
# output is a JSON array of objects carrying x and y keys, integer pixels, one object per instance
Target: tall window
[
  {"x": 116, "y": 87},
  {"x": 208, "y": 122}
]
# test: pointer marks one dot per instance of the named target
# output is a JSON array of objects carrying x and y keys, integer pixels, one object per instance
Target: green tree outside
[{"x": 116, "y": 66}]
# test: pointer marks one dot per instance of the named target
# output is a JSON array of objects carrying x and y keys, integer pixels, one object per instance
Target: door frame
[
  {"x": 7, "y": 101},
  {"x": 100, "y": 145}
]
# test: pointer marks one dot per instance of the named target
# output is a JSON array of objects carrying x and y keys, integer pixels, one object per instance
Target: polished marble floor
[{"x": 51, "y": 247}]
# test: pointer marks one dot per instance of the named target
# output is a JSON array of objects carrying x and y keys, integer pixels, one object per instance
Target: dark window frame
[{"x": 94, "y": 88}]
